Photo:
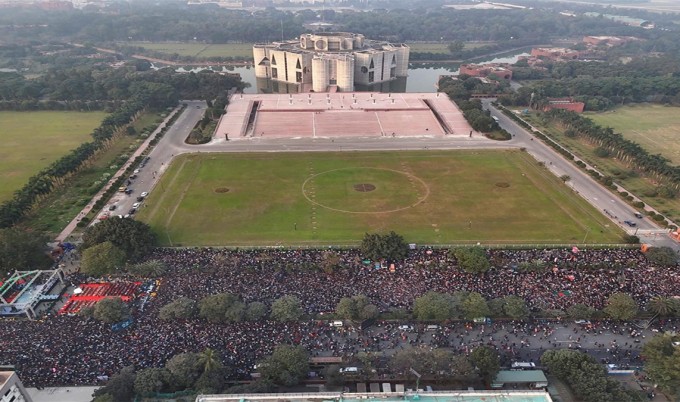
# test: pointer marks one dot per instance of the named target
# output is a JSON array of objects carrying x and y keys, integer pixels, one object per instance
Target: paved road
[
  {"x": 611, "y": 205},
  {"x": 173, "y": 144}
]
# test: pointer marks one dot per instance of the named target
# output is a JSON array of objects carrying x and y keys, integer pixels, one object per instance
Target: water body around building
[{"x": 422, "y": 77}]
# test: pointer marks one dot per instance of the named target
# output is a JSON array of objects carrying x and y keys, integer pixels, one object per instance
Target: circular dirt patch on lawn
[
  {"x": 364, "y": 187},
  {"x": 221, "y": 190},
  {"x": 365, "y": 190},
  {"x": 503, "y": 185}
]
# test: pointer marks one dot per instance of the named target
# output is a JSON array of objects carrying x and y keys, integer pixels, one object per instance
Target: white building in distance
[{"x": 331, "y": 61}]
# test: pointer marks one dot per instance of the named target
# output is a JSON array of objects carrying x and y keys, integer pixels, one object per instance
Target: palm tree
[
  {"x": 662, "y": 306},
  {"x": 209, "y": 360}
]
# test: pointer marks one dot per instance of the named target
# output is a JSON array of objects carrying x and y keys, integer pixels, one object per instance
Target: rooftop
[{"x": 409, "y": 396}]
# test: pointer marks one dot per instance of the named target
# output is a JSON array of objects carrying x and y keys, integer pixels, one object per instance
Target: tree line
[
  {"x": 177, "y": 22},
  {"x": 55, "y": 175},
  {"x": 625, "y": 150}
]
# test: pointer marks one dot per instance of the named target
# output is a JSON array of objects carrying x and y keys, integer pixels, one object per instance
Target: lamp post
[{"x": 417, "y": 382}]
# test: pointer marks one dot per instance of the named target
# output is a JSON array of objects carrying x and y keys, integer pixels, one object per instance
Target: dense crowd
[
  {"x": 568, "y": 277},
  {"x": 60, "y": 350}
]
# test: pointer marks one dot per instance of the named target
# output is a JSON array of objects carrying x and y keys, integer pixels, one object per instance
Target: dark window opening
[
  {"x": 275, "y": 73},
  {"x": 371, "y": 76},
  {"x": 298, "y": 77}
]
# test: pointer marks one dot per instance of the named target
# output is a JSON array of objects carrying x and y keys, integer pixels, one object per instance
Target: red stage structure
[{"x": 94, "y": 292}]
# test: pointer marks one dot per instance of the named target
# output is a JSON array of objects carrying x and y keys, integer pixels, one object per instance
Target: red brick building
[
  {"x": 487, "y": 71},
  {"x": 564, "y": 103}
]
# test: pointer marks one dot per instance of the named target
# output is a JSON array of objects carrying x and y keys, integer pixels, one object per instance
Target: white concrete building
[
  {"x": 11, "y": 388},
  {"x": 335, "y": 61}
]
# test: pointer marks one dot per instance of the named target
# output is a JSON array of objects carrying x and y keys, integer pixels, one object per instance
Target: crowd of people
[
  {"x": 568, "y": 277},
  {"x": 75, "y": 350}
]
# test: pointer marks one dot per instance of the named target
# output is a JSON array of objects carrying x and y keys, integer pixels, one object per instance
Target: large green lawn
[
  {"x": 33, "y": 140},
  {"x": 655, "y": 127},
  {"x": 203, "y": 50},
  {"x": 198, "y": 50},
  {"x": 434, "y": 197}
]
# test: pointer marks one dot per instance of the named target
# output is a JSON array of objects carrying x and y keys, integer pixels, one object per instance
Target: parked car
[
  {"x": 112, "y": 207},
  {"x": 140, "y": 198},
  {"x": 144, "y": 194},
  {"x": 131, "y": 211},
  {"x": 136, "y": 205},
  {"x": 128, "y": 191}
]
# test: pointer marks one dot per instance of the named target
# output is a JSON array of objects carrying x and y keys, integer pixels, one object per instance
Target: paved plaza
[{"x": 332, "y": 115}]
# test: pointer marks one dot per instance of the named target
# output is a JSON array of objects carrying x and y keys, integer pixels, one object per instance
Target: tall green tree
[
  {"x": 286, "y": 308},
  {"x": 433, "y": 306},
  {"x": 472, "y": 259},
  {"x": 356, "y": 308},
  {"x": 102, "y": 259},
  {"x": 222, "y": 307},
  {"x": 111, "y": 310},
  {"x": 185, "y": 368},
  {"x": 585, "y": 376},
  {"x": 120, "y": 387},
  {"x": 135, "y": 238},
  {"x": 662, "y": 363},
  {"x": 390, "y": 247},
  {"x": 515, "y": 307},
  {"x": 475, "y": 306},
  {"x": 486, "y": 361},
  {"x": 620, "y": 306},
  {"x": 663, "y": 306},
  {"x": 663, "y": 256},
  {"x": 150, "y": 381},
  {"x": 181, "y": 308},
  {"x": 209, "y": 360},
  {"x": 22, "y": 250},
  {"x": 287, "y": 366}
]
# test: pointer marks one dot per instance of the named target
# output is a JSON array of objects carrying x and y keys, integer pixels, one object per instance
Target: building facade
[
  {"x": 11, "y": 388},
  {"x": 336, "y": 61},
  {"x": 492, "y": 71}
]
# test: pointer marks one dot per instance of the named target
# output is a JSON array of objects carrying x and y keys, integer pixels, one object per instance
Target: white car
[
  {"x": 406, "y": 328},
  {"x": 144, "y": 194},
  {"x": 136, "y": 171},
  {"x": 136, "y": 205}
]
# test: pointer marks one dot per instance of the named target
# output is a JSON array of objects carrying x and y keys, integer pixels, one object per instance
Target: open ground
[
  {"x": 655, "y": 127},
  {"x": 33, "y": 140},
  {"x": 430, "y": 197},
  {"x": 245, "y": 50},
  {"x": 198, "y": 50}
]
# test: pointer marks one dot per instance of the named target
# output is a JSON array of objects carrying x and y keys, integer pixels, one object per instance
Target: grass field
[
  {"x": 655, "y": 127},
  {"x": 33, "y": 140},
  {"x": 435, "y": 197},
  {"x": 202, "y": 50},
  {"x": 199, "y": 50},
  {"x": 633, "y": 181}
]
